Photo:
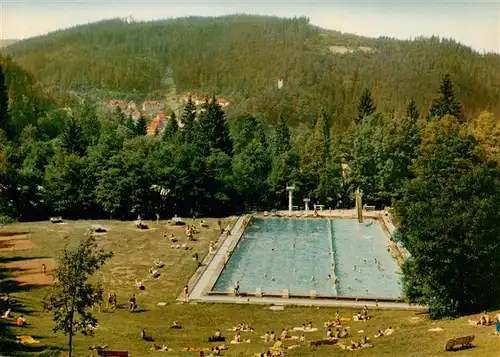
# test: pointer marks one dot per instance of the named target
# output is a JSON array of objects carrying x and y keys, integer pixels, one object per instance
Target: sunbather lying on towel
[
  {"x": 344, "y": 333},
  {"x": 163, "y": 348},
  {"x": 97, "y": 348},
  {"x": 241, "y": 327},
  {"x": 26, "y": 340},
  {"x": 159, "y": 263},
  {"x": 216, "y": 337},
  {"x": 233, "y": 342},
  {"x": 484, "y": 320},
  {"x": 176, "y": 325},
  {"x": 197, "y": 349},
  {"x": 305, "y": 329},
  {"x": 7, "y": 315}
]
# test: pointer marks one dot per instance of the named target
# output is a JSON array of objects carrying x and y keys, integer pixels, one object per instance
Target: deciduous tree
[{"x": 73, "y": 294}]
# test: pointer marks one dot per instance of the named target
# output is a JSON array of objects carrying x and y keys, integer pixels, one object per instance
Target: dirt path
[{"x": 25, "y": 271}]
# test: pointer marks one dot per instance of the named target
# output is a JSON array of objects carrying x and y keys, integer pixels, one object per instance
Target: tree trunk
[{"x": 70, "y": 340}]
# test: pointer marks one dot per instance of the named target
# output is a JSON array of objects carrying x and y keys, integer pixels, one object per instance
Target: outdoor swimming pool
[{"x": 297, "y": 254}]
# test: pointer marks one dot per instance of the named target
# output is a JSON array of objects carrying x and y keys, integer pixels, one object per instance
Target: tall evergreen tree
[
  {"x": 325, "y": 120},
  {"x": 446, "y": 102},
  {"x": 366, "y": 105},
  {"x": 4, "y": 100},
  {"x": 171, "y": 129},
  {"x": 120, "y": 115},
  {"x": 72, "y": 139},
  {"x": 213, "y": 129},
  {"x": 188, "y": 119},
  {"x": 412, "y": 110},
  {"x": 281, "y": 140},
  {"x": 140, "y": 126}
]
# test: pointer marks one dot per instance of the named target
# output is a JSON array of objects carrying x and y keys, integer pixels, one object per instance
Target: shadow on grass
[
  {"x": 10, "y": 286},
  {"x": 12, "y": 234},
  {"x": 464, "y": 348}
]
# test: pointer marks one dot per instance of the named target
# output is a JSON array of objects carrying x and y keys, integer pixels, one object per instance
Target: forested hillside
[{"x": 241, "y": 58}]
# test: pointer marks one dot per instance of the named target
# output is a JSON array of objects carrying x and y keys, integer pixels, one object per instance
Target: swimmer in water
[
  {"x": 364, "y": 261},
  {"x": 378, "y": 266},
  {"x": 354, "y": 268},
  {"x": 312, "y": 278},
  {"x": 329, "y": 277}
]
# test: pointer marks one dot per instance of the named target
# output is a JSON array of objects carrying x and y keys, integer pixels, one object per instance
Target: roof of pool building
[{"x": 331, "y": 260}]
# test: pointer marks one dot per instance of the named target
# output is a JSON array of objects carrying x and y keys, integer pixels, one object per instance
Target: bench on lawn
[
  {"x": 105, "y": 353},
  {"x": 461, "y": 342}
]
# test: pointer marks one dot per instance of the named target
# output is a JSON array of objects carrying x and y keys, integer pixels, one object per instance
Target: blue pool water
[{"x": 297, "y": 254}]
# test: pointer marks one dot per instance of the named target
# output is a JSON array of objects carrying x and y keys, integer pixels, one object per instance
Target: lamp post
[
  {"x": 290, "y": 199},
  {"x": 306, "y": 204},
  {"x": 359, "y": 207}
]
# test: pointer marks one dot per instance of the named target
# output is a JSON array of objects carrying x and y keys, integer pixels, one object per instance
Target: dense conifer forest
[
  {"x": 414, "y": 137},
  {"x": 241, "y": 58}
]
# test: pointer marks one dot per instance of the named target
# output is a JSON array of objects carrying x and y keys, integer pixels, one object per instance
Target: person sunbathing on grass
[
  {"x": 329, "y": 333},
  {"x": 344, "y": 333},
  {"x": 7, "y": 315},
  {"x": 278, "y": 344},
  {"x": 337, "y": 333},
  {"x": 379, "y": 334},
  {"x": 21, "y": 321},
  {"x": 272, "y": 337},
  {"x": 176, "y": 325},
  {"x": 237, "y": 337}
]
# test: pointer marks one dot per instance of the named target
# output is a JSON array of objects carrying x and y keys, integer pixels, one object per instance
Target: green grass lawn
[{"x": 135, "y": 251}]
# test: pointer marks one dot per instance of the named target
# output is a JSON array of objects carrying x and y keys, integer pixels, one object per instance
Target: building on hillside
[
  {"x": 157, "y": 125},
  {"x": 131, "y": 105},
  {"x": 151, "y": 105},
  {"x": 201, "y": 101},
  {"x": 223, "y": 102},
  {"x": 117, "y": 103},
  {"x": 133, "y": 113}
]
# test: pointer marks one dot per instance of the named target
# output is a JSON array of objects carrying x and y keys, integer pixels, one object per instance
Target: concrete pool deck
[{"x": 205, "y": 277}]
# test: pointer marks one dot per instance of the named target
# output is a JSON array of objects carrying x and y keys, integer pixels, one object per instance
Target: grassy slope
[{"x": 134, "y": 253}]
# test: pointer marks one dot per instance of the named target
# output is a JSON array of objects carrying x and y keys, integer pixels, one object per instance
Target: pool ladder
[{"x": 334, "y": 264}]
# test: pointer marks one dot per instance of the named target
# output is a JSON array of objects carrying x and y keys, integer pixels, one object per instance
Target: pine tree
[
  {"x": 171, "y": 129},
  {"x": 72, "y": 139},
  {"x": 4, "y": 100},
  {"x": 412, "y": 110},
  {"x": 213, "y": 129},
  {"x": 281, "y": 137},
  {"x": 140, "y": 126},
  {"x": 325, "y": 119},
  {"x": 446, "y": 102},
  {"x": 366, "y": 106},
  {"x": 129, "y": 123},
  {"x": 119, "y": 115},
  {"x": 188, "y": 118}
]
